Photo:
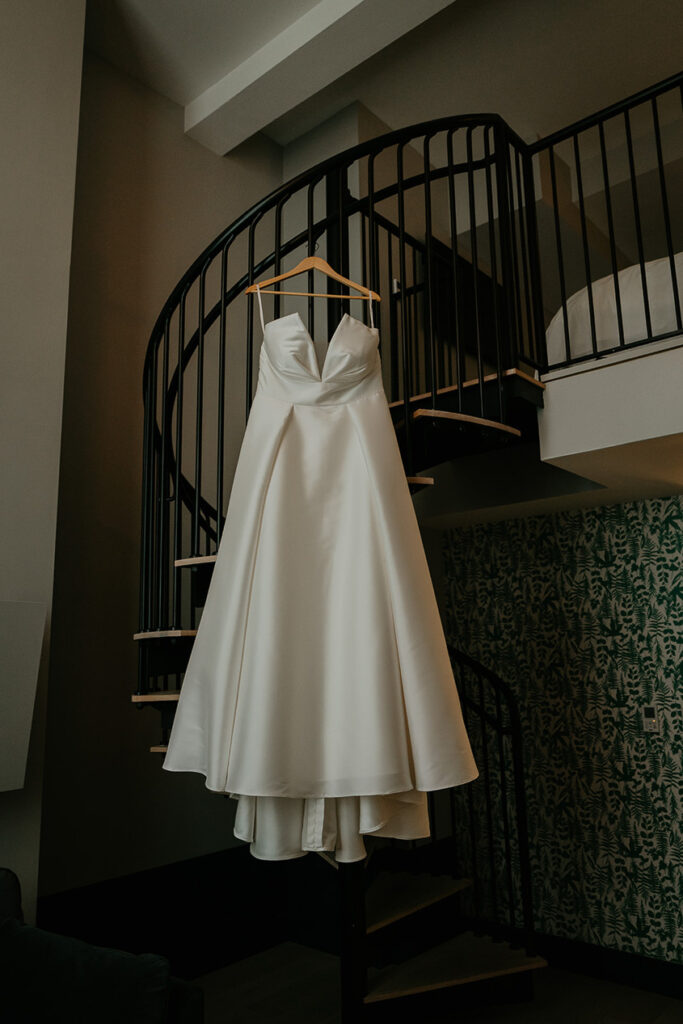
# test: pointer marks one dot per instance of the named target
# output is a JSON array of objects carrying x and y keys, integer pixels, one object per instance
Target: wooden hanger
[{"x": 314, "y": 263}]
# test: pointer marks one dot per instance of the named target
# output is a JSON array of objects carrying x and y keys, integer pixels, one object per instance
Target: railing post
[
  {"x": 472, "y": 679},
  {"x": 336, "y": 196},
  {"x": 535, "y": 284},
  {"x": 352, "y": 959},
  {"x": 510, "y": 348}
]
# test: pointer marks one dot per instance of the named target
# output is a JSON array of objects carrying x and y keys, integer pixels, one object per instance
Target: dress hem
[{"x": 460, "y": 781}]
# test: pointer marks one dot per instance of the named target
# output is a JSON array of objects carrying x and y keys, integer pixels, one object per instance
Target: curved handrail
[
  {"x": 315, "y": 173},
  {"x": 440, "y": 274},
  {"x": 495, "y": 724}
]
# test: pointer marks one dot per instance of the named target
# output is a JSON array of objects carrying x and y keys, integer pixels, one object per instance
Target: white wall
[{"x": 40, "y": 76}]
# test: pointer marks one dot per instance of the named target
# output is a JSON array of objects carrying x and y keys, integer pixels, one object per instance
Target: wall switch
[{"x": 650, "y": 719}]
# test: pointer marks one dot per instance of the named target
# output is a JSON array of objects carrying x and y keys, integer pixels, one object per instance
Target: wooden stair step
[
  {"x": 195, "y": 560},
  {"x": 396, "y": 894},
  {"x": 417, "y": 483},
  {"x": 466, "y": 958},
  {"x": 152, "y": 698},
  {"x": 462, "y": 417},
  {"x": 423, "y": 481},
  {"x": 156, "y": 634},
  {"x": 470, "y": 384}
]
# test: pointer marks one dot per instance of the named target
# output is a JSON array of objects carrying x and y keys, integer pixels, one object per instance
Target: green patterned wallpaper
[{"x": 582, "y": 613}]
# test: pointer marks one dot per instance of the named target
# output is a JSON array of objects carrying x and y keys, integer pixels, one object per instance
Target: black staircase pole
[
  {"x": 539, "y": 352},
  {"x": 510, "y": 351},
  {"x": 337, "y": 238},
  {"x": 352, "y": 953}
]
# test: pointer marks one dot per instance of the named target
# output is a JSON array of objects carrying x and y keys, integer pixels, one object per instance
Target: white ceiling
[
  {"x": 181, "y": 48},
  {"x": 235, "y": 67},
  {"x": 285, "y": 66}
]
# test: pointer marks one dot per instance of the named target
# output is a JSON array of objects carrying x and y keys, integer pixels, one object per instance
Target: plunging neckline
[{"x": 335, "y": 334}]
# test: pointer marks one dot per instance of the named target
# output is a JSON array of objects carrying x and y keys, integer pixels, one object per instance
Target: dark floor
[{"x": 292, "y": 983}]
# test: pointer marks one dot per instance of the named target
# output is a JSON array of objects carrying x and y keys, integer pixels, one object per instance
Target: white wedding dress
[{"x": 319, "y": 691}]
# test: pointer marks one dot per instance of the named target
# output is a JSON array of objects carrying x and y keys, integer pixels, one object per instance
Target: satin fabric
[{"x": 319, "y": 692}]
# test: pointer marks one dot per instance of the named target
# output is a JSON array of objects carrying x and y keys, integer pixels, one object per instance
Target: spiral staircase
[{"x": 438, "y": 218}]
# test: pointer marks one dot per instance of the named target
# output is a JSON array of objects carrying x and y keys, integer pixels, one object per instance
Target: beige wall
[
  {"x": 40, "y": 79},
  {"x": 40, "y": 75},
  {"x": 148, "y": 200}
]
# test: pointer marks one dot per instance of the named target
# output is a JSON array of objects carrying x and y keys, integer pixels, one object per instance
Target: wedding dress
[{"x": 319, "y": 692}]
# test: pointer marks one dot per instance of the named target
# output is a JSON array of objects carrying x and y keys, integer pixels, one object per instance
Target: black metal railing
[
  {"x": 433, "y": 218},
  {"x": 494, "y": 846},
  {"x": 610, "y": 226},
  {"x": 478, "y": 832},
  {"x": 474, "y": 240}
]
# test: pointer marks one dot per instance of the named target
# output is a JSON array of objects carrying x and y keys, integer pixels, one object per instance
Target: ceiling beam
[{"x": 332, "y": 39}]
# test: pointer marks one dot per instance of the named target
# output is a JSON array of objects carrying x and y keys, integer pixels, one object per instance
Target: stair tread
[
  {"x": 461, "y": 417},
  {"x": 395, "y": 894},
  {"x": 154, "y": 698},
  {"x": 195, "y": 560},
  {"x": 156, "y": 634},
  {"x": 489, "y": 377},
  {"x": 465, "y": 958}
]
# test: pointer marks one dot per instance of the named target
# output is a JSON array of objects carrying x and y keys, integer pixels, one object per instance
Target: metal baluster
[
  {"x": 494, "y": 272},
  {"x": 560, "y": 259},
  {"x": 164, "y": 512},
  {"x": 586, "y": 252},
  {"x": 536, "y": 278},
  {"x": 250, "y": 322},
  {"x": 222, "y": 357},
  {"x": 146, "y": 545},
  {"x": 507, "y": 242},
  {"x": 310, "y": 252},
  {"x": 155, "y": 496},
  {"x": 199, "y": 415},
  {"x": 395, "y": 359},
  {"x": 610, "y": 228},
  {"x": 277, "y": 269},
  {"x": 364, "y": 257},
  {"x": 459, "y": 375},
  {"x": 523, "y": 229},
  {"x": 372, "y": 281},
  {"x": 665, "y": 209},
  {"x": 178, "y": 523},
  {"x": 407, "y": 389},
  {"x": 413, "y": 319},
  {"x": 475, "y": 268},
  {"x": 638, "y": 226},
  {"x": 343, "y": 264},
  {"x": 429, "y": 303},
  {"x": 507, "y": 217},
  {"x": 376, "y": 285}
]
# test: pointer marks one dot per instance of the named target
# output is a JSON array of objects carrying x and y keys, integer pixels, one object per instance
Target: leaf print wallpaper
[{"x": 582, "y": 613}]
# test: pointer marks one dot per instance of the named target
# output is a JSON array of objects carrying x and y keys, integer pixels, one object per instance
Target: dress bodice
[{"x": 289, "y": 369}]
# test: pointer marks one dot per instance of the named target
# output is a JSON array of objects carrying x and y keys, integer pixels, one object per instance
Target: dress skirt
[{"x": 319, "y": 692}]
